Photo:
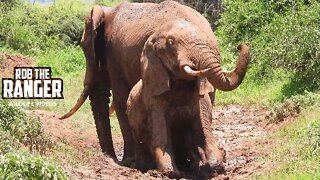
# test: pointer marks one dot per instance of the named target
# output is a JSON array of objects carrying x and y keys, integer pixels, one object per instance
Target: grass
[
  {"x": 22, "y": 144},
  {"x": 298, "y": 153},
  {"x": 262, "y": 92},
  {"x": 69, "y": 64}
]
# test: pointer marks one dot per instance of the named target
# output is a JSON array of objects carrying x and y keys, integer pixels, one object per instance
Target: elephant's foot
[
  {"x": 128, "y": 157},
  {"x": 214, "y": 164},
  {"x": 128, "y": 162},
  {"x": 129, "y": 154},
  {"x": 143, "y": 159},
  {"x": 129, "y": 149},
  {"x": 214, "y": 167},
  {"x": 144, "y": 164},
  {"x": 165, "y": 164}
]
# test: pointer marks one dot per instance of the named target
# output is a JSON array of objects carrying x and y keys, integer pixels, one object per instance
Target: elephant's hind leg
[
  {"x": 128, "y": 153},
  {"x": 120, "y": 92}
]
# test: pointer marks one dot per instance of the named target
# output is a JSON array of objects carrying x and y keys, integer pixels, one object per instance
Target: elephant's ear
[
  {"x": 92, "y": 42},
  {"x": 154, "y": 75},
  {"x": 204, "y": 86}
]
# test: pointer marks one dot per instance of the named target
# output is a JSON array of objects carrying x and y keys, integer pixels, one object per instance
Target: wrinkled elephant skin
[{"x": 126, "y": 43}]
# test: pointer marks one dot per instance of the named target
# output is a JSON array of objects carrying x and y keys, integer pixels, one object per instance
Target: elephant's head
[
  {"x": 182, "y": 50},
  {"x": 91, "y": 43}
]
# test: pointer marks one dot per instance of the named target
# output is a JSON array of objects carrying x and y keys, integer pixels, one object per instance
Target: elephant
[
  {"x": 113, "y": 41},
  {"x": 171, "y": 103}
]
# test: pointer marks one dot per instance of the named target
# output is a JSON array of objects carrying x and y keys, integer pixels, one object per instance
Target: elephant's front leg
[
  {"x": 137, "y": 117},
  {"x": 160, "y": 142},
  {"x": 214, "y": 156}
]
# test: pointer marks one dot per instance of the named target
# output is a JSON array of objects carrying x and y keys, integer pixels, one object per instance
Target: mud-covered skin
[
  {"x": 126, "y": 28},
  {"x": 171, "y": 106},
  {"x": 180, "y": 129},
  {"x": 113, "y": 41}
]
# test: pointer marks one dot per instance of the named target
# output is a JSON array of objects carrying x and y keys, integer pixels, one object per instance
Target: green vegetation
[
  {"x": 26, "y": 166},
  {"x": 22, "y": 138},
  {"x": 31, "y": 29},
  {"x": 284, "y": 37},
  {"x": 293, "y": 106},
  {"x": 24, "y": 129},
  {"x": 299, "y": 148}
]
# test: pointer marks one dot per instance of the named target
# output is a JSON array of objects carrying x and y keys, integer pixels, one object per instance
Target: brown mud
[
  {"x": 9, "y": 61},
  {"x": 241, "y": 131}
]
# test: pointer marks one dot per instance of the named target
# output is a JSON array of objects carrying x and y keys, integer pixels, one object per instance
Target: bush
[
  {"x": 310, "y": 140},
  {"x": 27, "y": 131},
  {"x": 282, "y": 34},
  {"x": 34, "y": 28},
  {"x": 292, "y": 42},
  {"x": 8, "y": 143},
  {"x": 26, "y": 166},
  {"x": 293, "y": 106},
  {"x": 68, "y": 60}
]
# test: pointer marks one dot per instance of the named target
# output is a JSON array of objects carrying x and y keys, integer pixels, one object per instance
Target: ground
[
  {"x": 241, "y": 131},
  {"x": 9, "y": 61}
]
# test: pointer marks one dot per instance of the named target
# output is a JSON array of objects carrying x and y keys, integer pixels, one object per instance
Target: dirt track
[
  {"x": 241, "y": 132},
  {"x": 9, "y": 61}
]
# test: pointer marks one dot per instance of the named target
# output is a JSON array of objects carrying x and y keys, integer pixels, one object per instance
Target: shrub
[
  {"x": 293, "y": 106},
  {"x": 27, "y": 131},
  {"x": 67, "y": 60},
  {"x": 282, "y": 34},
  {"x": 292, "y": 42},
  {"x": 8, "y": 143},
  {"x": 310, "y": 140},
  {"x": 26, "y": 166},
  {"x": 33, "y": 28}
]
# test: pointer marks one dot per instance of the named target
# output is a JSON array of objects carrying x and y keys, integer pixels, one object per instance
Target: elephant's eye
[{"x": 170, "y": 42}]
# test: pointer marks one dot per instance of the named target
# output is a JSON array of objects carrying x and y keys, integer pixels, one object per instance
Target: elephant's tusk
[
  {"x": 80, "y": 101},
  {"x": 191, "y": 72}
]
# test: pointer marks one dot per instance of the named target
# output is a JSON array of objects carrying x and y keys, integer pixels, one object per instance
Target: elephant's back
[
  {"x": 132, "y": 25},
  {"x": 134, "y": 19}
]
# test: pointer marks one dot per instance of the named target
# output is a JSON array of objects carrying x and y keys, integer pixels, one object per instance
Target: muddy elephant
[
  {"x": 113, "y": 41},
  {"x": 171, "y": 103}
]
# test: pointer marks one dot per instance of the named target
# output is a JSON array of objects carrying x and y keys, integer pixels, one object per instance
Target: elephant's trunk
[{"x": 218, "y": 78}]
